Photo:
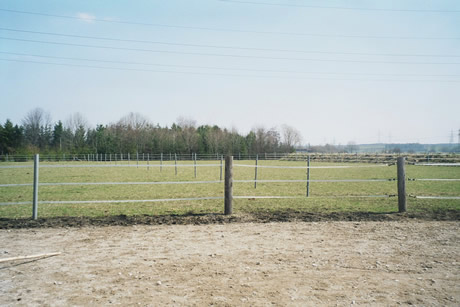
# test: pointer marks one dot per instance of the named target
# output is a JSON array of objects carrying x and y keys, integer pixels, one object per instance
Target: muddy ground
[
  {"x": 386, "y": 262},
  {"x": 201, "y": 219}
]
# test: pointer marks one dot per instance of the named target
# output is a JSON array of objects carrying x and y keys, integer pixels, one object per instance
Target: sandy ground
[{"x": 284, "y": 264}]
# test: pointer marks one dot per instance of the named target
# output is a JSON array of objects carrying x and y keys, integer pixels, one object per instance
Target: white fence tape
[
  {"x": 109, "y": 183},
  {"x": 112, "y": 201},
  {"x": 438, "y": 197},
  {"x": 307, "y": 167},
  {"x": 110, "y": 165},
  {"x": 437, "y": 164},
  {"x": 434, "y": 179}
]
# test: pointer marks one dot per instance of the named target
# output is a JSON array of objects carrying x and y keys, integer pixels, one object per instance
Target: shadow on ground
[{"x": 252, "y": 217}]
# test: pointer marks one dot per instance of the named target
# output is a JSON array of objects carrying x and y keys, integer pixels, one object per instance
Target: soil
[
  {"x": 324, "y": 261},
  {"x": 200, "y": 219}
]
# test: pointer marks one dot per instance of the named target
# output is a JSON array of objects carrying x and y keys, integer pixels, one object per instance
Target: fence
[
  {"x": 142, "y": 157},
  {"x": 429, "y": 158},
  {"x": 228, "y": 184}
]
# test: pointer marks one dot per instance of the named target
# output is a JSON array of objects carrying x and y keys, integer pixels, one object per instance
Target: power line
[
  {"x": 228, "y": 47},
  {"x": 224, "y": 55},
  {"x": 341, "y": 7},
  {"x": 220, "y": 74},
  {"x": 231, "y": 30},
  {"x": 225, "y": 68}
]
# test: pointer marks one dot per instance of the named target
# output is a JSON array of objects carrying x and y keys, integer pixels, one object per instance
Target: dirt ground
[{"x": 410, "y": 262}]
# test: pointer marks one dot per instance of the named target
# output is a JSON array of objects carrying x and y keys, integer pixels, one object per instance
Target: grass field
[{"x": 324, "y": 197}]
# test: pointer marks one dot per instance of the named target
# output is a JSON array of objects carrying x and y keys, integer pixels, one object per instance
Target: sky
[{"x": 338, "y": 71}]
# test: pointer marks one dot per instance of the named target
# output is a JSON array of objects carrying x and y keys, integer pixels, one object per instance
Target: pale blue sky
[{"x": 371, "y": 75}]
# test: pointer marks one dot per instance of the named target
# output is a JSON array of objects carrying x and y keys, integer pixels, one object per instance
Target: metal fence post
[
  {"x": 401, "y": 184},
  {"x": 308, "y": 176},
  {"x": 161, "y": 162},
  {"x": 35, "y": 196},
  {"x": 221, "y": 164},
  {"x": 175, "y": 163},
  {"x": 255, "y": 175},
  {"x": 228, "y": 193},
  {"x": 194, "y": 162}
]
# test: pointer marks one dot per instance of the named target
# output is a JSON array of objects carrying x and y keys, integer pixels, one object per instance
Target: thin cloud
[{"x": 86, "y": 17}]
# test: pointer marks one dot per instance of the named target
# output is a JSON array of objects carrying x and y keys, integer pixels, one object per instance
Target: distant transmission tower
[
  {"x": 451, "y": 140},
  {"x": 458, "y": 141}
]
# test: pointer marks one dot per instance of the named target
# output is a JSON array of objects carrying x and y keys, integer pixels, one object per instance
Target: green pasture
[{"x": 324, "y": 197}]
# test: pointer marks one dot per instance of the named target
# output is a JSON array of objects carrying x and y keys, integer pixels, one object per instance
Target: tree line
[{"x": 134, "y": 133}]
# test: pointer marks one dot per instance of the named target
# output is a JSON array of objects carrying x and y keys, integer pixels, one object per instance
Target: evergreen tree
[
  {"x": 10, "y": 137},
  {"x": 57, "y": 136}
]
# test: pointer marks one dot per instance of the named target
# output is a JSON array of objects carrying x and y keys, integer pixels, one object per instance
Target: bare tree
[
  {"x": 214, "y": 139},
  {"x": 186, "y": 122},
  {"x": 76, "y": 127},
  {"x": 291, "y": 136},
  {"x": 351, "y": 147},
  {"x": 135, "y": 129},
  {"x": 189, "y": 134},
  {"x": 265, "y": 140},
  {"x": 260, "y": 134},
  {"x": 36, "y": 124},
  {"x": 75, "y": 122},
  {"x": 135, "y": 121}
]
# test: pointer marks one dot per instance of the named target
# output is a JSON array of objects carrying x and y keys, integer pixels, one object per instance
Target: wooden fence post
[
  {"x": 35, "y": 196},
  {"x": 401, "y": 184},
  {"x": 228, "y": 185}
]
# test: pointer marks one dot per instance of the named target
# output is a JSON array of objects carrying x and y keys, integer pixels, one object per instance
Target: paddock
[{"x": 255, "y": 264}]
